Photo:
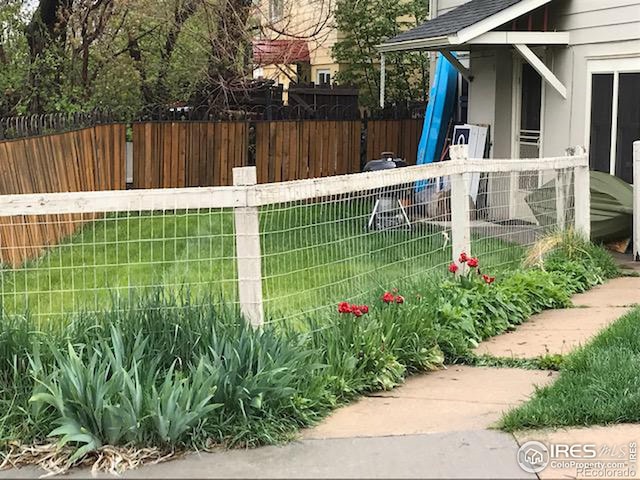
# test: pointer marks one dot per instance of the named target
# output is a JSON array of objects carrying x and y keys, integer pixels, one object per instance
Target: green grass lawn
[
  {"x": 598, "y": 385},
  {"x": 314, "y": 255}
]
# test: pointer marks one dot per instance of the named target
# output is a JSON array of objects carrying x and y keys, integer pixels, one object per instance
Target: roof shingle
[{"x": 455, "y": 20}]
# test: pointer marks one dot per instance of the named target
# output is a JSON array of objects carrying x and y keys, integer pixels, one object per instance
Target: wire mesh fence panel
[
  {"x": 287, "y": 249},
  {"x": 347, "y": 247},
  {"x": 318, "y": 252},
  {"x": 114, "y": 259},
  {"x": 510, "y": 211}
]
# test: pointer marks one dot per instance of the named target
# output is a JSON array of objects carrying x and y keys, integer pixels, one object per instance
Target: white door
[{"x": 527, "y": 121}]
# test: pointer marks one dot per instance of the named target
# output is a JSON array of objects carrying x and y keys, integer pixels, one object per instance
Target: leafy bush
[{"x": 106, "y": 395}]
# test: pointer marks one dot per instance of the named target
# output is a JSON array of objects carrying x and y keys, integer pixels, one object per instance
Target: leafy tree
[
  {"x": 13, "y": 57},
  {"x": 123, "y": 55},
  {"x": 365, "y": 24}
]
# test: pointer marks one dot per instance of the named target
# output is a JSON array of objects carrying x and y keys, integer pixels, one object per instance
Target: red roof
[{"x": 280, "y": 52}]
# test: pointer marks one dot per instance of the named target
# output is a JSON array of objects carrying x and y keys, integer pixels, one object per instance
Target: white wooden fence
[{"x": 246, "y": 198}]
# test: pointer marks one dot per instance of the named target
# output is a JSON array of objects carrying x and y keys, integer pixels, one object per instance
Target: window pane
[
  {"x": 531, "y": 99},
  {"x": 628, "y": 124},
  {"x": 601, "y": 111}
]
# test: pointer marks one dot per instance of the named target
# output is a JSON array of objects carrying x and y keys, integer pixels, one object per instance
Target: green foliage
[
  {"x": 544, "y": 362},
  {"x": 366, "y": 25},
  {"x": 108, "y": 395},
  {"x": 14, "y": 63},
  {"x": 121, "y": 57},
  {"x": 184, "y": 371}
]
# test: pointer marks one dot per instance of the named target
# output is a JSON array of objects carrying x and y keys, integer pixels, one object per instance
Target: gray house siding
[
  {"x": 598, "y": 29},
  {"x": 443, "y": 6}
]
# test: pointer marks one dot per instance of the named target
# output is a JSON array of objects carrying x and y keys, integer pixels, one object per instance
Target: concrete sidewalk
[{"x": 475, "y": 454}]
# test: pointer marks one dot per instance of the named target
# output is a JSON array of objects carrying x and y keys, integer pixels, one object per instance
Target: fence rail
[{"x": 286, "y": 249}]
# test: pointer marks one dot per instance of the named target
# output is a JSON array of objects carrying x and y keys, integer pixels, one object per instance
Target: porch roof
[{"x": 471, "y": 24}]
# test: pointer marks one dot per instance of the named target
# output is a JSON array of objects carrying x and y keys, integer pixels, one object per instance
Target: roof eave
[{"x": 433, "y": 43}]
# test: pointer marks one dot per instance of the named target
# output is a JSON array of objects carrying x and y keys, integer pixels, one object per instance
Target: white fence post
[
  {"x": 460, "y": 227},
  {"x": 582, "y": 194},
  {"x": 247, "y": 233},
  {"x": 561, "y": 198},
  {"x": 636, "y": 201}
]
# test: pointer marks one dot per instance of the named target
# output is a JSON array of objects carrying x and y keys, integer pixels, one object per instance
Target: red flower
[
  {"x": 488, "y": 279},
  {"x": 463, "y": 258},
  {"x": 473, "y": 262},
  {"x": 399, "y": 299},
  {"x": 363, "y": 308},
  {"x": 388, "y": 297},
  {"x": 344, "y": 307},
  {"x": 453, "y": 268},
  {"x": 357, "y": 312}
]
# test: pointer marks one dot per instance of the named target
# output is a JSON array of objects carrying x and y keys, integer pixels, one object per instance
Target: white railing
[{"x": 281, "y": 234}]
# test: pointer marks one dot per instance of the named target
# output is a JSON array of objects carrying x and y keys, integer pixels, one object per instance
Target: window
[
  {"x": 276, "y": 10},
  {"x": 614, "y": 118},
  {"x": 601, "y": 111},
  {"x": 324, "y": 77}
]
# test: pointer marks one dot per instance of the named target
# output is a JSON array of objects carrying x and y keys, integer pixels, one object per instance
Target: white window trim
[
  {"x": 325, "y": 71},
  {"x": 613, "y": 65}
]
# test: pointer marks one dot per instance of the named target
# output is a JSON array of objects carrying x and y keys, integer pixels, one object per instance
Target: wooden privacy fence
[
  {"x": 188, "y": 154},
  {"x": 199, "y": 154},
  {"x": 84, "y": 160},
  {"x": 398, "y": 136},
  {"x": 294, "y": 150}
]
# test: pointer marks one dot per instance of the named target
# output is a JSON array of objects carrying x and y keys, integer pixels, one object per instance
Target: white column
[
  {"x": 383, "y": 80},
  {"x": 636, "y": 201},
  {"x": 460, "y": 225},
  {"x": 248, "y": 254},
  {"x": 582, "y": 200}
]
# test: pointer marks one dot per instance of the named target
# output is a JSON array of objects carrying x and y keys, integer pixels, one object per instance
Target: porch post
[
  {"x": 636, "y": 201},
  {"x": 383, "y": 80}
]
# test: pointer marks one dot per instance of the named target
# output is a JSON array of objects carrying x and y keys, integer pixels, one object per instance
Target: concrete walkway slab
[
  {"x": 481, "y": 454},
  {"x": 457, "y": 399},
  {"x": 619, "y": 292},
  {"x": 551, "y": 332},
  {"x": 612, "y": 444},
  {"x": 626, "y": 262}
]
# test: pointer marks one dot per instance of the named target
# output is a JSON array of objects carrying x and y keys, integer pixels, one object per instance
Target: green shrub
[{"x": 104, "y": 394}]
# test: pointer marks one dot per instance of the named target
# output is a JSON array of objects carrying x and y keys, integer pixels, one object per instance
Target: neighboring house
[
  {"x": 296, "y": 43},
  {"x": 545, "y": 74}
]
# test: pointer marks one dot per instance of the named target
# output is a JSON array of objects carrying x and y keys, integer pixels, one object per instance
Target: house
[
  {"x": 296, "y": 41},
  {"x": 544, "y": 74}
]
